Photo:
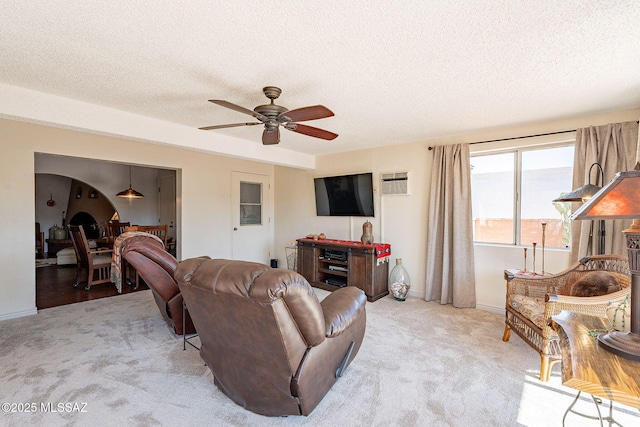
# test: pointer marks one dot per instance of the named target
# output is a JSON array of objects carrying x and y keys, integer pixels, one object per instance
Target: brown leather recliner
[
  {"x": 272, "y": 347},
  {"x": 156, "y": 267}
]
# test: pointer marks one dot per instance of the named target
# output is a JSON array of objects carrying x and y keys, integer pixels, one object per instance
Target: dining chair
[
  {"x": 94, "y": 265},
  {"x": 115, "y": 228},
  {"x": 161, "y": 231}
]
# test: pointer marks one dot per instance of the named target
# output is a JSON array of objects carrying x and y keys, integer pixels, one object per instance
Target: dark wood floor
[{"x": 54, "y": 287}]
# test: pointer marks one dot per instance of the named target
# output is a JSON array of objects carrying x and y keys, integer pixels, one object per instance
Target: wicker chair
[{"x": 532, "y": 300}]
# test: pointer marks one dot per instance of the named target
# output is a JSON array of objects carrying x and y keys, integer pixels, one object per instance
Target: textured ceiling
[{"x": 392, "y": 72}]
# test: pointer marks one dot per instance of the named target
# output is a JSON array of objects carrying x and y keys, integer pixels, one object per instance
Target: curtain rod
[
  {"x": 519, "y": 137},
  {"x": 529, "y": 136}
]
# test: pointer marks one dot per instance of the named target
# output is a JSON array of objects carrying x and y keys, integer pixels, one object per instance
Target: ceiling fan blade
[
  {"x": 238, "y": 108},
  {"x": 229, "y": 126},
  {"x": 271, "y": 137},
  {"x": 311, "y": 131},
  {"x": 313, "y": 112}
]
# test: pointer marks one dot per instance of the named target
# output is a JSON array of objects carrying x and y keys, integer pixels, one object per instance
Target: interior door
[{"x": 251, "y": 221}]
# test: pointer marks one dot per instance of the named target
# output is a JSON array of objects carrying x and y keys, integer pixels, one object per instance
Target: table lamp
[{"x": 620, "y": 199}]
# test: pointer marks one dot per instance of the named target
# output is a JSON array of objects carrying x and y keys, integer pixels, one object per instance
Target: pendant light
[{"x": 130, "y": 193}]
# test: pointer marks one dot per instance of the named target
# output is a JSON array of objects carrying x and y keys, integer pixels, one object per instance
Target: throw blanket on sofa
[{"x": 116, "y": 258}]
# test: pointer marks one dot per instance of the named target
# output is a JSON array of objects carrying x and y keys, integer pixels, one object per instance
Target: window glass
[
  {"x": 250, "y": 203},
  {"x": 537, "y": 176},
  {"x": 546, "y": 174},
  {"x": 492, "y": 185}
]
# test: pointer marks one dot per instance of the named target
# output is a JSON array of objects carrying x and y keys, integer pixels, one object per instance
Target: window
[
  {"x": 512, "y": 196},
  {"x": 250, "y": 203}
]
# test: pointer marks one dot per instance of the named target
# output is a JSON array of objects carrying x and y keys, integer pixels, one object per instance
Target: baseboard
[
  {"x": 18, "y": 314},
  {"x": 490, "y": 308},
  {"x": 415, "y": 294}
]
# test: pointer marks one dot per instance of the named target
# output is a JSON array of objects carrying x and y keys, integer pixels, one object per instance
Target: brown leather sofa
[
  {"x": 156, "y": 267},
  {"x": 272, "y": 347}
]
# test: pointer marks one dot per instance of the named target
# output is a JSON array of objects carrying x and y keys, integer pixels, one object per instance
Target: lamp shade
[
  {"x": 130, "y": 193},
  {"x": 619, "y": 199},
  {"x": 585, "y": 192}
]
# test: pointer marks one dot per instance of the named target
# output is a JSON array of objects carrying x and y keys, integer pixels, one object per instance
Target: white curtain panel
[
  {"x": 450, "y": 265},
  {"x": 614, "y": 147}
]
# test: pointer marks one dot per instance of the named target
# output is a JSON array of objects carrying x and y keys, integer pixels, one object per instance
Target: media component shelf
[{"x": 332, "y": 264}]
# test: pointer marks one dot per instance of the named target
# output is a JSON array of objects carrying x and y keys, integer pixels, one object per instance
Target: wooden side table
[{"x": 589, "y": 368}]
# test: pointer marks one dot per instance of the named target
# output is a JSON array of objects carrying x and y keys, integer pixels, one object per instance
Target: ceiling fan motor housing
[{"x": 270, "y": 110}]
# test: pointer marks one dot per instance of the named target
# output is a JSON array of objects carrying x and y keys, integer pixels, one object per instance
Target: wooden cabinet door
[
  {"x": 307, "y": 262},
  {"x": 368, "y": 275},
  {"x": 358, "y": 272}
]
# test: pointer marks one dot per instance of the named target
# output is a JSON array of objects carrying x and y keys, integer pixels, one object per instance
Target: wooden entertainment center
[{"x": 331, "y": 264}]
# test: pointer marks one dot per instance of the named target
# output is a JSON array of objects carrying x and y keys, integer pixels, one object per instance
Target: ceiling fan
[{"x": 273, "y": 116}]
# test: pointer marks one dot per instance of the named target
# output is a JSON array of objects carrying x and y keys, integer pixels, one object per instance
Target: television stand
[{"x": 332, "y": 264}]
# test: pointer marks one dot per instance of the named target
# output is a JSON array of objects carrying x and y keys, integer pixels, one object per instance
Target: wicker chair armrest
[
  {"x": 592, "y": 306},
  {"x": 597, "y": 300}
]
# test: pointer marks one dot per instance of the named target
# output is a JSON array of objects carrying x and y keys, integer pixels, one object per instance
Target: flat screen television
[{"x": 345, "y": 195}]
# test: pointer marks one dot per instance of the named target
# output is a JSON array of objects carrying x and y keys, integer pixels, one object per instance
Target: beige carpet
[{"x": 420, "y": 364}]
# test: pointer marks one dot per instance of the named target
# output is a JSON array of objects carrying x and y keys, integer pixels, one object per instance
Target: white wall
[
  {"x": 491, "y": 261},
  {"x": 402, "y": 220},
  {"x": 204, "y": 214},
  {"x": 399, "y": 220},
  {"x": 203, "y": 180}
]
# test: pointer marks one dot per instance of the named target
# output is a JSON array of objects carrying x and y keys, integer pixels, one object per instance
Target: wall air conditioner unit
[{"x": 396, "y": 183}]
